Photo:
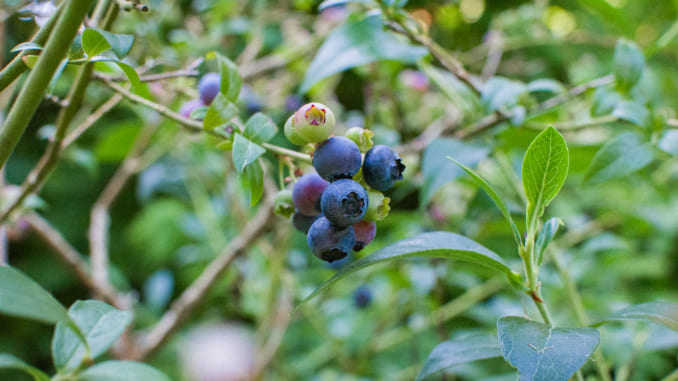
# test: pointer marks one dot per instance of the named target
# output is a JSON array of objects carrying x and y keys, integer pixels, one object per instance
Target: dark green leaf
[
  {"x": 632, "y": 112},
  {"x": 8, "y": 361},
  {"x": 540, "y": 352},
  {"x": 495, "y": 197},
  {"x": 354, "y": 44},
  {"x": 544, "y": 169},
  {"x": 100, "y": 323},
  {"x": 628, "y": 64},
  {"x": 431, "y": 244},
  {"x": 253, "y": 181},
  {"x": 231, "y": 81},
  {"x": 26, "y": 46},
  {"x": 121, "y": 371},
  {"x": 220, "y": 112},
  {"x": 96, "y": 41},
  {"x": 20, "y": 296},
  {"x": 260, "y": 128},
  {"x": 621, "y": 156},
  {"x": 459, "y": 351},
  {"x": 438, "y": 170},
  {"x": 245, "y": 152},
  {"x": 662, "y": 313},
  {"x": 545, "y": 237}
]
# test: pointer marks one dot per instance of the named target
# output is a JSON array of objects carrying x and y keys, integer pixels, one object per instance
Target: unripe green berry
[
  {"x": 314, "y": 122},
  {"x": 291, "y": 134},
  {"x": 378, "y": 206},
  {"x": 283, "y": 204},
  {"x": 361, "y": 137}
]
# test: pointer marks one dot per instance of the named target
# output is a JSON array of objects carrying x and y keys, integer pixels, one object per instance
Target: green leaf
[
  {"x": 628, "y": 64},
  {"x": 26, "y": 46},
  {"x": 220, "y": 112},
  {"x": 459, "y": 351},
  {"x": 231, "y": 81},
  {"x": 611, "y": 15},
  {"x": 495, "y": 197},
  {"x": 604, "y": 101},
  {"x": 662, "y": 313},
  {"x": 260, "y": 128},
  {"x": 431, "y": 244},
  {"x": 548, "y": 231},
  {"x": 455, "y": 90},
  {"x": 121, "y": 371},
  {"x": 30, "y": 61},
  {"x": 632, "y": 112},
  {"x": 253, "y": 181},
  {"x": 8, "y": 361},
  {"x": 96, "y": 41},
  {"x": 540, "y": 352},
  {"x": 100, "y": 323},
  {"x": 499, "y": 92},
  {"x": 20, "y": 296},
  {"x": 546, "y": 85},
  {"x": 330, "y": 3},
  {"x": 357, "y": 43},
  {"x": 624, "y": 154},
  {"x": 669, "y": 142},
  {"x": 438, "y": 171},
  {"x": 544, "y": 169},
  {"x": 129, "y": 71},
  {"x": 245, "y": 152}
]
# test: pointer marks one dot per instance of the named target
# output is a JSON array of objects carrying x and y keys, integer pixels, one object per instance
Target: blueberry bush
[{"x": 220, "y": 190}]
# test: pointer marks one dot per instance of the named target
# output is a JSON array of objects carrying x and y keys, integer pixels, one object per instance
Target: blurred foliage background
[{"x": 619, "y": 241}]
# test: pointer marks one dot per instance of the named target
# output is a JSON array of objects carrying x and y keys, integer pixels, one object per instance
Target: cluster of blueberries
[{"x": 330, "y": 205}]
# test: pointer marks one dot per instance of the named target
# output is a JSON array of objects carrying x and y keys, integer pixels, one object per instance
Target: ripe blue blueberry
[
  {"x": 303, "y": 222},
  {"x": 189, "y": 106},
  {"x": 337, "y": 158},
  {"x": 329, "y": 242},
  {"x": 362, "y": 297},
  {"x": 344, "y": 202},
  {"x": 306, "y": 193},
  {"x": 382, "y": 168},
  {"x": 208, "y": 87},
  {"x": 365, "y": 232}
]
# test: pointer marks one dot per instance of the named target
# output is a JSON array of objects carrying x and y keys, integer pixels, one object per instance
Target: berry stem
[{"x": 287, "y": 152}]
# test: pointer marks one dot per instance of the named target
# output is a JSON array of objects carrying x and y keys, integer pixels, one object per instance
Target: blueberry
[
  {"x": 291, "y": 133},
  {"x": 329, "y": 242},
  {"x": 303, "y": 222},
  {"x": 382, "y": 168},
  {"x": 362, "y": 296},
  {"x": 188, "y": 107},
  {"x": 209, "y": 86},
  {"x": 364, "y": 234},
  {"x": 344, "y": 202},
  {"x": 337, "y": 158},
  {"x": 314, "y": 122},
  {"x": 306, "y": 193}
]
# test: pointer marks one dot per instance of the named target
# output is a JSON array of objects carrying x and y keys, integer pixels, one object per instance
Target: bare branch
[
  {"x": 191, "y": 297},
  {"x": 99, "y": 216},
  {"x": 73, "y": 259}
]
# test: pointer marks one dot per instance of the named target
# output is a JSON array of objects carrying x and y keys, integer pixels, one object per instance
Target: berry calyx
[
  {"x": 382, "y": 168},
  {"x": 314, "y": 122},
  {"x": 329, "y": 242},
  {"x": 344, "y": 202}
]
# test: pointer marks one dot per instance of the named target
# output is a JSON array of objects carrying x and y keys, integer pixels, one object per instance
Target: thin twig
[
  {"x": 431, "y": 133},
  {"x": 191, "y": 297},
  {"x": 99, "y": 215},
  {"x": 74, "y": 260}
]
